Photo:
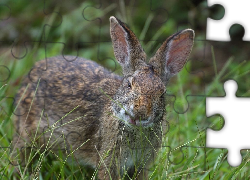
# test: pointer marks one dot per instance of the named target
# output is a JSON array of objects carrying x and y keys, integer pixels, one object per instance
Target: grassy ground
[
  {"x": 183, "y": 154},
  {"x": 187, "y": 156}
]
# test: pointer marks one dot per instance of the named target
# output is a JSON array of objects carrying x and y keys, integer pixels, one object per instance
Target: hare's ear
[
  {"x": 127, "y": 48},
  {"x": 173, "y": 54}
]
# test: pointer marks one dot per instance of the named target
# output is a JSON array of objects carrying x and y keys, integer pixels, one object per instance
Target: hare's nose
[{"x": 143, "y": 106}]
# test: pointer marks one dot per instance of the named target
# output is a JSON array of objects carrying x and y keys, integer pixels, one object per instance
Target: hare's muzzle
[{"x": 135, "y": 120}]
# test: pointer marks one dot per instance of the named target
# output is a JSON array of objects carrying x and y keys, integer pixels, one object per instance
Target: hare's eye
[{"x": 129, "y": 85}]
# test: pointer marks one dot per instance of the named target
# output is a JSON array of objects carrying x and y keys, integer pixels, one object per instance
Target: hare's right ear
[
  {"x": 127, "y": 48},
  {"x": 173, "y": 54}
]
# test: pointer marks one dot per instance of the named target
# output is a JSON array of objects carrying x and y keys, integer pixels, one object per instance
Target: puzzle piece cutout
[
  {"x": 235, "y": 12},
  {"x": 235, "y": 112}
]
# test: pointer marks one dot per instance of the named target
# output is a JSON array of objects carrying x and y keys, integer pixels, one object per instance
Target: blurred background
[
  {"x": 34, "y": 30},
  {"x": 81, "y": 28}
]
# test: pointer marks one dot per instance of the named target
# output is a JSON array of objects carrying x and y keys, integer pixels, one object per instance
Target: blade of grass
[{"x": 146, "y": 26}]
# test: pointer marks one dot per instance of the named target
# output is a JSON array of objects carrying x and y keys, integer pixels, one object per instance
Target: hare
[{"x": 109, "y": 122}]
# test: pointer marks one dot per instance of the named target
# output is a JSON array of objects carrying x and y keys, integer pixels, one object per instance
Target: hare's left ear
[
  {"x": 127, "y": 48},
  {"x": 173, "y": 54}
]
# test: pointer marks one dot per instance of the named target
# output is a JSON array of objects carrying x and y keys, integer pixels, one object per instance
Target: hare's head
[{"x": 140, "y": 98}]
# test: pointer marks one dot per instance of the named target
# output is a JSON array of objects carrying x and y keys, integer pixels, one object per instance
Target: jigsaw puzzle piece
[
  {"x": 4, "y": 153},
  {"x": 190, "y": 126},
  {"x": 4, "y": 73},
  {"x": 228, "y": 106},
  {"x": 52, "y": 10},
  {"x": 156, "y": 169},
  {"x": 211, "y": 53},
  {"x": 16, "y": 27},
  {"x": 190, "y": 79},
  {"x": 207, "y": 163},
  {"x": 127, "y": 12},
  {"x": 5, "y": 110},
  {"x": 65, "y": 44},
  {"x": 5, "y": 12},
  {"x": 103, "y": 43},
  {"x": 218, "y": 166},
  {"x": 170, "y": 20},
  {"x": 191, "y": 84},
  {"x": 160, "y": 11},
  {"x": 189, "y": 16},
  {"x": 77, "y": 40},
  {"x": 235, "y": 13},
  {"x": 96, "y": 17},
  {"x": 71, "y": 44},
  {"x": 192, "y": 163},
  {"x": 224, "y": 59},
  {"x": 17, "y": 70},
  {"x": 105, "y": 59},
  {"x": 193, "y": 15},
  {"x": 48, "y": 89}
]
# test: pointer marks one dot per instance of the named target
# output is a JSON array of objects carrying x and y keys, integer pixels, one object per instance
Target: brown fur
[{"x": 117, "y": 120}]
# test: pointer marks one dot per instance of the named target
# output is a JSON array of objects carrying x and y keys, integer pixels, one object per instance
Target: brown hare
[{"x": 109, "y": 122}]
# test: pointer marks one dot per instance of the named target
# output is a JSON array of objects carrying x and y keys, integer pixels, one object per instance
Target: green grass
[
  {"x": 186, "y": 135},
  {"x": 182, "y": 154}
]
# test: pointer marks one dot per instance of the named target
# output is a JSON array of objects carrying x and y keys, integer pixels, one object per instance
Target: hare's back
[
  {"x": 59, "y": 77},
  {"x": 59, "y": 88}
]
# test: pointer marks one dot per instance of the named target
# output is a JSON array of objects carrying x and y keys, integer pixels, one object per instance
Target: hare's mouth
[
  {"x": 138, "y": 122},
  {"x": 128, "y": 118}
]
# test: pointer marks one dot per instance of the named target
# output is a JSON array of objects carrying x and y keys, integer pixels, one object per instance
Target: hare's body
[
  {"x": 110, "y": 122},
  {"x": 88, "y": 92}
]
